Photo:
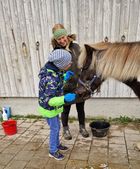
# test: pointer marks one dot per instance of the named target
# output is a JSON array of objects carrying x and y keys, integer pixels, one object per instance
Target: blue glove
[
  {"x": 68, "y": 75},
  {"x": 69, "y": 97}
]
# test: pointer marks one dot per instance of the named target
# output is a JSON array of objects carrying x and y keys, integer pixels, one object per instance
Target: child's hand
[
  {"x": 69, "y": 97},
  {"x": 68, "y": 75}
]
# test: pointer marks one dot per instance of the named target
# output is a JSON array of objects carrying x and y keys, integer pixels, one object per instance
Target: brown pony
[{"x": 100, "y": 61}]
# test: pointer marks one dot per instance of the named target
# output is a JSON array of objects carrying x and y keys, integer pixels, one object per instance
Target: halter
[{"x": 88, "y": 84}]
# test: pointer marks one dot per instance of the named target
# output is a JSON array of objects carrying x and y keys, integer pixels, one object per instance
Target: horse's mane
[
  {"x": 83, "y": 53},
  {"x": 118, "y": 60}
]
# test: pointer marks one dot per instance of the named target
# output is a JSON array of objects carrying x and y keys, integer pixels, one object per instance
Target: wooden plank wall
[{"x": 25, "y": 35}]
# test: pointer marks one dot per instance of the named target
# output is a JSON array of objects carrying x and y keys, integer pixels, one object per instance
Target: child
[{"x": 51, "y": 98}]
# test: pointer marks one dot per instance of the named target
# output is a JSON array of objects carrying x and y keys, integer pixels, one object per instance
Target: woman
[{"x": 62, "y": 40}]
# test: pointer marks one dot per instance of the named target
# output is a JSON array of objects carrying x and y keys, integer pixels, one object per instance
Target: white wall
[{"x": 94, "y": 107}]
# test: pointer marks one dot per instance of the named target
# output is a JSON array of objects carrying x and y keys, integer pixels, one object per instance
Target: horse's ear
[{"x": 89, "y": 50}]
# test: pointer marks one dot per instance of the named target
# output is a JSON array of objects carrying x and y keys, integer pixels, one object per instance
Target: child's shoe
[
  {"x": 56, "y": 155},
  {"x": 63, "y": 148}
]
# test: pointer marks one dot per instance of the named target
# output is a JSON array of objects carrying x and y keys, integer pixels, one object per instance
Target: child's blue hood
[{"x": 48, "y": 65}]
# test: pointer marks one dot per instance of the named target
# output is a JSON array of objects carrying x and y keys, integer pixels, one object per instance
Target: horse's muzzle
[{"x": 82, "y": 93}]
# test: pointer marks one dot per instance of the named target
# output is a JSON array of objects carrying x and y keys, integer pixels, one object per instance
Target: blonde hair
[
  {"x": 71, "y": 37},
  {"x": 57, "y": 26}
]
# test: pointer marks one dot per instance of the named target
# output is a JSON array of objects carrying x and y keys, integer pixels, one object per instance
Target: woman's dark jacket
[{"x": 74, "y": 49}]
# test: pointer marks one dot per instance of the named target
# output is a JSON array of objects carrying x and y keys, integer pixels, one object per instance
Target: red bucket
[{"x": 10, "y": 127}]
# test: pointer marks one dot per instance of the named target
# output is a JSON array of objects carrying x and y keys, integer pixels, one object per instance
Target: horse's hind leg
[{"x": 134, "y": 85}]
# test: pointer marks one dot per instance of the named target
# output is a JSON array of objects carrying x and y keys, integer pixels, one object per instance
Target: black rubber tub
[{"x": 99, "y": 128}]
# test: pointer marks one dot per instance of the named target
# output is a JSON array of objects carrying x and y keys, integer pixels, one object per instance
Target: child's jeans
[{"x": 54, "y": 124}]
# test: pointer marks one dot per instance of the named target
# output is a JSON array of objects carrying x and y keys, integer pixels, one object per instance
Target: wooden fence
[{"x": 25, "y": 34}]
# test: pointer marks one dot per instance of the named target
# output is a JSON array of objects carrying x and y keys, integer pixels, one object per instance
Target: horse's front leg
[{"x": 134, "y": 85}]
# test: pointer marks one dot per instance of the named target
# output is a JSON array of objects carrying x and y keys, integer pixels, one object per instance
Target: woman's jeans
[{"x": 54, "y": 124}]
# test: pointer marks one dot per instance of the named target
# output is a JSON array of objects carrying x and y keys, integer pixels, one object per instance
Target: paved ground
[{"x": 28, "y": 149}]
